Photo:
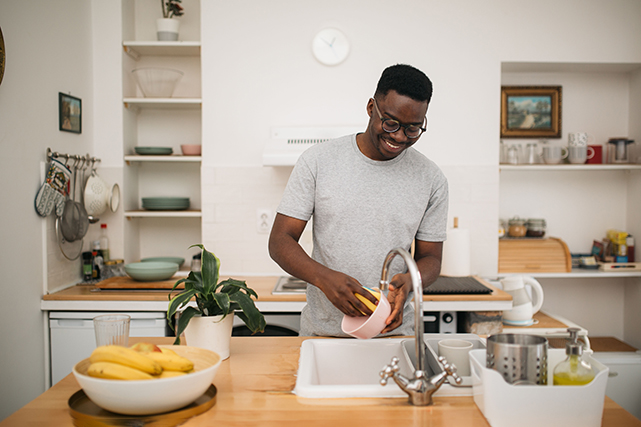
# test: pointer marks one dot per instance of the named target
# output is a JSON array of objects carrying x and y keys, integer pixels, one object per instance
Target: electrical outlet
[{"x": 264, "y": 220}]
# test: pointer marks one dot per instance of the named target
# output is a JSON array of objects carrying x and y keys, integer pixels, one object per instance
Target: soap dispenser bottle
[{"x": 573, "y": 370}]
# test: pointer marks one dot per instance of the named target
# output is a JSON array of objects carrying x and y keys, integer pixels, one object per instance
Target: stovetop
[{"x": 289, "y": 285}]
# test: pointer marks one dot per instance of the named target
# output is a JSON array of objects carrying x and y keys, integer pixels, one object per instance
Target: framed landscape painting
[
  {"x": 530, "y": 111},
  {"x": 69, "y": 113}
]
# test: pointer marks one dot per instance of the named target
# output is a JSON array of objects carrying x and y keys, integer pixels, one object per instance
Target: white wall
[{"x": 49, "y": 50}]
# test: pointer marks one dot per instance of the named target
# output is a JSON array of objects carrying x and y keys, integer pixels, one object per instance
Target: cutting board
[
  {"x": 126, "y": 282},
  {"x": 549, "y": 255}
]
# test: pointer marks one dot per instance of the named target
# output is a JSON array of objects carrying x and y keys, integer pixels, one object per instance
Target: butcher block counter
[
  {"x": 121, "y": 298},
  {"x": 254, "y": 388}
]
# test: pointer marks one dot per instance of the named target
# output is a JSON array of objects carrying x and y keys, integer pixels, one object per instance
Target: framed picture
[
  {"x": 69, "y": 113},
  {"x": 531, "y": 112}
]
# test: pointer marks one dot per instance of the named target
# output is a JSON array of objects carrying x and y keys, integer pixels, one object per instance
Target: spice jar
[
  {"x": 535, "y": 227},
  {"x": 516, "y": 227}
]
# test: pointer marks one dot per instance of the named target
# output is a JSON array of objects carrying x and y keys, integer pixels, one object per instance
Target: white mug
[
  {"x": 553, "y": 154},
  {"x": 578, "y": 139},
  {"x": 580, "y": 155},
  {"x": 457, "y": 352}
]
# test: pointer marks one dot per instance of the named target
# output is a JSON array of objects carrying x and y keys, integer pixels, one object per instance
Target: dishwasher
[{"x": 73, "y": 339}]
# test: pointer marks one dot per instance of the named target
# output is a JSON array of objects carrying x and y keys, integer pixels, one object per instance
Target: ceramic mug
[
  {"x": 553, "y": 154},
  {"x": 578, "y": 139},
  {"x": 457, "y": 352},
  {"x": 580, "y": 155}
]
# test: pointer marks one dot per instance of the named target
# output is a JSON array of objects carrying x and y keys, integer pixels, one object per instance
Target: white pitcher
[{"x": 522, "y": 306}]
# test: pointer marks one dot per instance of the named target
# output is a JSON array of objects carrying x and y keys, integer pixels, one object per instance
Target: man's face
[{"x": 382, "y": 145}]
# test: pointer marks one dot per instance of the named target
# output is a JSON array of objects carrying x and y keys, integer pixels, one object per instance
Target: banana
[
  {"x": 125, "y": 356},
  {"x": 170, "y": 374},
  {"x": 168, "y": 351},
  {"x": 171, "y": 362},
  {"x": 115, "y": 371}
]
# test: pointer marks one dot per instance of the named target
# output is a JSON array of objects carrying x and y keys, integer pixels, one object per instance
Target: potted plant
[
  {"x": 166, "y": 27},
  {"x": 209, "y": 324}
]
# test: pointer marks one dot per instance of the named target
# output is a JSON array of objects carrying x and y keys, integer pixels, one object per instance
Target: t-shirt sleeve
[
  {"x": 298, "y": 198},
  {"x": 433, "y": 227}
]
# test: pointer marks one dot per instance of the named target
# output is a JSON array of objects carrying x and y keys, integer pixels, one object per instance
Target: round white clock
[{"x": 330, "y": 46}]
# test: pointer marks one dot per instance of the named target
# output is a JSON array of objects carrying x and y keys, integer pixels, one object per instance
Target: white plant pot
[
  {"x": 211, "y": 333},
  {"x": 167, "y": 29}
]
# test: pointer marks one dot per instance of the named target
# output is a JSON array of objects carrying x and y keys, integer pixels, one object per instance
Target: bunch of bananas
[{"x": 142, "y": 361}]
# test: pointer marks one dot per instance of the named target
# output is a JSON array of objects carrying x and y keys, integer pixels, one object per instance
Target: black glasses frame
[{"x": 398, "y": 124}]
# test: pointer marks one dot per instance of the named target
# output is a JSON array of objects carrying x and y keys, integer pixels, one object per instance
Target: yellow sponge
[{"x": 367, "y": 302}]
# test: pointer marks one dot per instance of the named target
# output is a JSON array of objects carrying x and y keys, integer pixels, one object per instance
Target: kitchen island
[{"x": 255, "y": 389}]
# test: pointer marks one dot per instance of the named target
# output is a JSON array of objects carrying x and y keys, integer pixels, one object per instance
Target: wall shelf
[
  {"x": 578, "y": 273},
  {"x": 173, "y": 158},
  {"x": 163, "y": 214},
  {"x": 567, "y": 167},
  {"x": 136, "y": 49},
  {"x": 164, "y": 103}
]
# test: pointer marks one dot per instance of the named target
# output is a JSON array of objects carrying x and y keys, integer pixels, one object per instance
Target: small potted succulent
[
  {"x": 167, "y": 27},
  {"x": 209, "y": 324}
]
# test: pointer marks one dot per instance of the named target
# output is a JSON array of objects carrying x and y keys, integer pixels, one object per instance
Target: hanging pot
[{"x": 211, "y": 333}]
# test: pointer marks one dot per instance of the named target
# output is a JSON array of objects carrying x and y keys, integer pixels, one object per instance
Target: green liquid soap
[{"x": 573, "y": 370}]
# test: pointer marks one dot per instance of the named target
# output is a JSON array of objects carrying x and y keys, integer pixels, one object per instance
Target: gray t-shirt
[{"x": 362, "y": 209}]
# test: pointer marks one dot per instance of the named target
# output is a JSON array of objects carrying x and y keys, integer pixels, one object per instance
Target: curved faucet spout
[{"x": 417, "y": 286}]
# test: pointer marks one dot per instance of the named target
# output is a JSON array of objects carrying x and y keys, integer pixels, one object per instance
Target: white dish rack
[{"x": 507, "y": 405}]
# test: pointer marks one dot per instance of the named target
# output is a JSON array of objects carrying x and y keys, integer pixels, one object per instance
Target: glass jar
[
  {"x": 535, "y": 227},
  {"x": 516, "y": 227}
]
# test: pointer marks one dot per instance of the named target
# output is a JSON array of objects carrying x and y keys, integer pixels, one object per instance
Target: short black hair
[{"x": 405, "y": 80}]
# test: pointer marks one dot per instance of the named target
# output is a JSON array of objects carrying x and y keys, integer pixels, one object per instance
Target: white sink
[{"x": 338, "y": 368}]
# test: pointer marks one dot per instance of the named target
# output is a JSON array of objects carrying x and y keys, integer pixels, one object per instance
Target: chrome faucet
[{"x": 420, "y": 388}]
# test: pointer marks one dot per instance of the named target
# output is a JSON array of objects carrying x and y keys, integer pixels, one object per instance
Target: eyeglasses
[{"x": 391, "y": 125}]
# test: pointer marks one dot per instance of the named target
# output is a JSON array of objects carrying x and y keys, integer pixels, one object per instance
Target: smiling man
[{"x": 368, "y": 193}]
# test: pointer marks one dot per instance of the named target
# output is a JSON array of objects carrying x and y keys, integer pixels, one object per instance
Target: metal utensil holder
[{"x": 520, "y": 359}]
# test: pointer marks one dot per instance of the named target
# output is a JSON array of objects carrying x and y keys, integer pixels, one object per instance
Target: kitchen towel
[{"x": 456, "y": 252}]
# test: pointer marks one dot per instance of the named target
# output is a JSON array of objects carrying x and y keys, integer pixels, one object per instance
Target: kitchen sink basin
[{"x": 338, "y": 368}]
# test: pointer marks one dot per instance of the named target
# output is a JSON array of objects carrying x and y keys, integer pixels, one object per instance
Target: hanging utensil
[
  {"x": 70, "y": 214},
  {"x": 83, "y": 224}
]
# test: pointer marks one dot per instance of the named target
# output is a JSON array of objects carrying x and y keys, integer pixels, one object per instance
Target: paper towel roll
[{"x": 456, "y": 253}]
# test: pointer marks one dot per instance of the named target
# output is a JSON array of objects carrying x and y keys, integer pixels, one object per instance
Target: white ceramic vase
[
  {"x": 167, "y": 29},
  {"x": 211, "y": 333}
]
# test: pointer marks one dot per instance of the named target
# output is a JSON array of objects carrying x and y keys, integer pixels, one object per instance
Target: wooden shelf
[
  {"x": 164, "y": 103},
  {"x": 566, "y": 167},
  {"x": 189, "y": 213},
  {"x": 136, "y": 49},
  {"x": 172, "y": 158}
]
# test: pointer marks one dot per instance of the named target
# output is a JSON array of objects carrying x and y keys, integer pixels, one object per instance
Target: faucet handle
[
  {"x": 450, "y": 369},
  {"x": 389, "y": 371}
]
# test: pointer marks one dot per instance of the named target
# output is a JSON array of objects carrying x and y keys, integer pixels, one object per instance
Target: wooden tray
[
  {"x": 620, "y": 267},
  {"x": 549, "y": 255},
  {"x": 126, "y": 282}
]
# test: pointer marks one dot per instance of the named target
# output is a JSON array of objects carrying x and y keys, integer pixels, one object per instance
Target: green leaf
[
  {"x": 183, "y": 321},
  {"x": 178, "y": 302},
  {"x": 222, "y": 302},
  {"x": 233, "y": 285},
  {"x": 254, "y": 320}
]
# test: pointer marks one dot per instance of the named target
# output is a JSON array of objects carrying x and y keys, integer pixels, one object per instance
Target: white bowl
[
  {"x": 144, "y": 397},
  {"x": 157, "y": 82},
  {"x": 368, "y": 327}
]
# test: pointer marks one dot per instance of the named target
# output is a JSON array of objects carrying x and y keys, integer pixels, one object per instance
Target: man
[{"x": 369, "y": 193}]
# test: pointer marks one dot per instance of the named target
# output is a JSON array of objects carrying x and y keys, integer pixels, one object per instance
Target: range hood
[{"x": 287, "y": 143}]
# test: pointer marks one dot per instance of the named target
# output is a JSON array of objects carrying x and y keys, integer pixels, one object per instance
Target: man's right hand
[{"x": 340, "y": 288}]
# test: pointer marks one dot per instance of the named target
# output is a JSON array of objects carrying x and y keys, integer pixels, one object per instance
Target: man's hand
[
  {"x": 399, "y": 288},
  {"x": 339, "y": 288}
]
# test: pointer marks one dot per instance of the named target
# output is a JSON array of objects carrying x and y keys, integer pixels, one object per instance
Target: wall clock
[
  {"x": 2, "y": 56},
  {"x": 330, "y": 46}
]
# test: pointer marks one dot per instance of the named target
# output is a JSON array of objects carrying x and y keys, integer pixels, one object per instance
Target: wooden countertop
[
  {"x": 262, "y": 285},
  {"x": 255, "y": 389}
]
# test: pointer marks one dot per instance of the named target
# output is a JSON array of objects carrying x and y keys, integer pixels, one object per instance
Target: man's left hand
[{"x": 399, "y": 288}]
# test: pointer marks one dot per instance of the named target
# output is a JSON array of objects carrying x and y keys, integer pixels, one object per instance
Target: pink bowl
[
  {"x": 191, "y": 149},
  {"x": 368, "y": 327}
]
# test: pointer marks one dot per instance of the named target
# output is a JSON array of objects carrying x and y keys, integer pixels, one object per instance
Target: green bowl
[
  {"x": 177, "y": 260},
  {"x": 151, "y": 271}
]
